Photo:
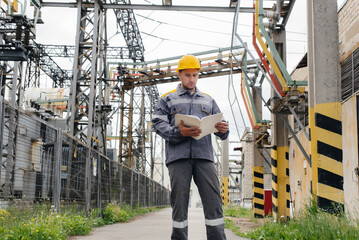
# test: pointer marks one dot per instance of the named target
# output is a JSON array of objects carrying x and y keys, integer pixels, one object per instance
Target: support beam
[
  {"x": 225, "y": 172},
  {"x": 155, "y": 7},
  {"x": 280, "y": 155},
  {"x": 325, "y": 109},
  {"x": 258, "y": 164}
]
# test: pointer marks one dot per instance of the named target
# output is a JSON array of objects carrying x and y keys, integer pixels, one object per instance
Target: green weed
[
  {"x": 235, "y": 211},
  {"x": 41, "y": 222},
  {"x": 311, "y": 223}
]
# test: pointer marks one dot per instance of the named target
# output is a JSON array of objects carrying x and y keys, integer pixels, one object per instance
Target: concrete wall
[
  {"x": 299, "y": 168},
  {"x": 349, "y": 41},
  {"x": 350, "y": 155},
  {"x": 299, "y": 173},
  {"x": 247, "y": 172},
  {"x": 348, "y": 22}
]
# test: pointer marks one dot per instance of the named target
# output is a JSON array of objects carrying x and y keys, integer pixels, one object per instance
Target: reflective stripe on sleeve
[
  {"x": 162, "y": 117},
  {"x": 183, "y": 224},
  {"x": 214, "y": 222}
]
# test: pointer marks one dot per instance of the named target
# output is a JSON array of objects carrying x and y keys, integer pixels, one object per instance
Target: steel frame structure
[{"x": 87, "y": 111}]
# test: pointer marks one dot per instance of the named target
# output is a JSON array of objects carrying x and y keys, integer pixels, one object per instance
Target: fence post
[
  {"x": 131, "y": 190},
  {"x": 121, "y": 187},
  {"x": 88, "y": 177},
  {"x": 138, "y": 188},
  {"x": 144, "y": 191},
  {"x": 2, "y": 111},
  {"x": 99, "y": 180},
  {"x": 110, "y": 169},
  {"x": 57, "y": 171}
]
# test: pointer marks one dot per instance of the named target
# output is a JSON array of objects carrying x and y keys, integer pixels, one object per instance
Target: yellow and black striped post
[
  {"x": 258, "y": 192},
  {"x": 325, "y": 108},
  {"x": 274, "y": 181},
  {"x": 280, "y": 183},
  {"x": 224, "y": 190},
  {"x": 225, "y": 172},
  {"x": 328, "y": 158}
]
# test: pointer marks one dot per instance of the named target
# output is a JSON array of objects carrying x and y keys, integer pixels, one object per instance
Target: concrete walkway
[{"x": 156, "y": 225}]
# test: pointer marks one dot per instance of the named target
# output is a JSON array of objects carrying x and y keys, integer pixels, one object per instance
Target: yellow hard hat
[{"x": 188, "y": 62}]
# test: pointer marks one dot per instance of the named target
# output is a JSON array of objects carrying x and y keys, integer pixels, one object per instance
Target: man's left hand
[{"x": 222, "y": 127}]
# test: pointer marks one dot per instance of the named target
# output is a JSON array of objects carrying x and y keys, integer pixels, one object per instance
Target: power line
[
  {"x": 179, "y": 26},
  {"x": 172, "y": 40},
  {"x": 153, "y": 49},
  {"x": 224, "y": 21},
  {"x": 145, "y": 18},
  {"x": 198, "y": 29},
  {"x": 246, "y": 25},
  {"x": 152, "y": 31}
]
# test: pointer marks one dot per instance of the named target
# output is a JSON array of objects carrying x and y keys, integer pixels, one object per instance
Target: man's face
[{"x": 189, "y": 79}]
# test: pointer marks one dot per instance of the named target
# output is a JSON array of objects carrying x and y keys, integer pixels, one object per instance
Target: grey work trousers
[{"x": 205, "y": 176}]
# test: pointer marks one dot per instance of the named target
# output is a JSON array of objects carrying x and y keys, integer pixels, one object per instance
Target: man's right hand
[{"x": 189, "y": 131}]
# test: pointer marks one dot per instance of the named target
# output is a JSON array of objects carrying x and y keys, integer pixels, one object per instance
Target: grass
[
  {"x": 311, "y": 223},
  {"x": 235, "y": 211},
  {"x": 41, "y": 222}
]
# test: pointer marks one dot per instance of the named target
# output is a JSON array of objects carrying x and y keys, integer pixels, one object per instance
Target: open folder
[{"x": 206, "y": 124}]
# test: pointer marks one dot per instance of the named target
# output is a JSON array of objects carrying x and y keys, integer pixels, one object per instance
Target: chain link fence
[{"x": 42, "y": 163}]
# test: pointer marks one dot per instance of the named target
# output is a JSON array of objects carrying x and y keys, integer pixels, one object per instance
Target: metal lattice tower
[{"x": 86, "y": 87}]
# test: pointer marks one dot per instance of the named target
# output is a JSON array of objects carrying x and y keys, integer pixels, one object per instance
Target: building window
[{"x": 350, "y": 75}]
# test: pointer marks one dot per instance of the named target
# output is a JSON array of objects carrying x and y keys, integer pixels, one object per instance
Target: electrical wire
[
  {"x": 152, "y": 31},
  {"x": 246, "y": 25},
  {"x": 172, "y": 40},
  {"x": 179, "y": 26},
  {"x": 145, "y": 18},
  {"x": 148, "y": 52},
  {"x": 202, "y": 30}
]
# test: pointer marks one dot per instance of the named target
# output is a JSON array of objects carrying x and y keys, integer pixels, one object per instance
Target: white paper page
[
  {"x": 189, "y": 120},
  {"x": 207, "y": 124}
]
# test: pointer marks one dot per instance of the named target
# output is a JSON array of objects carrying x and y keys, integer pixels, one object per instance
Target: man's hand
[
  {"x": 222, "y": 127},
  {"x": 189, "y": 131}
]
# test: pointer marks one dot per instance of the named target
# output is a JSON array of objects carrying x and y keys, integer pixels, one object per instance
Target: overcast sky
[{"x": 171, "y": 33}]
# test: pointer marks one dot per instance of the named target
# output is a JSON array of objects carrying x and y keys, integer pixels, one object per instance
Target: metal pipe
[
  {"x": 259, "y": 66},
  {"x": 249, "y": 95},
  {"x": 278, "y": 60},
  {"x": 299, "y": 122},
  {"x": 263, "y": 60},
  {"x": 152, "y": 7},
  {"x": 259, "y": 26},
  {"x": 295, "y": 138},
  {"x": 245, "y": 102}
]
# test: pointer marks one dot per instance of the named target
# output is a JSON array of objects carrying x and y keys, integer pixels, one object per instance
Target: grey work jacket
[{"x": 163, "y": 121}]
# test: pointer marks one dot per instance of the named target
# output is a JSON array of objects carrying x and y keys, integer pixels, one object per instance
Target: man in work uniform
[{"x": 187, "y": 157}]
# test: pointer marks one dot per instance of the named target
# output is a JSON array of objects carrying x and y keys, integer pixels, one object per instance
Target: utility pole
[
  {"x": 279, "y": 153},
  {"x": 325, "y": 107},
  {"x": 225, "y": 172},
  {"x": 258, "y": 168}
]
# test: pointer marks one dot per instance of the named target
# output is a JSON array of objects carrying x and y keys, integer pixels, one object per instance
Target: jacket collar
[{"x": 181, "y": 91}]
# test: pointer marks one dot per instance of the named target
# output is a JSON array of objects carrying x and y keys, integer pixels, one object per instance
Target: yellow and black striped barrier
[
  {"x": 225, "y": 191},
  {"x": 329, "y": 156},
  {"x": 274, "y": 181},
  {"x": 280, "y": 183},
  {"x": 258, "y": 192},
  {"x": 287, "y": 184}
]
